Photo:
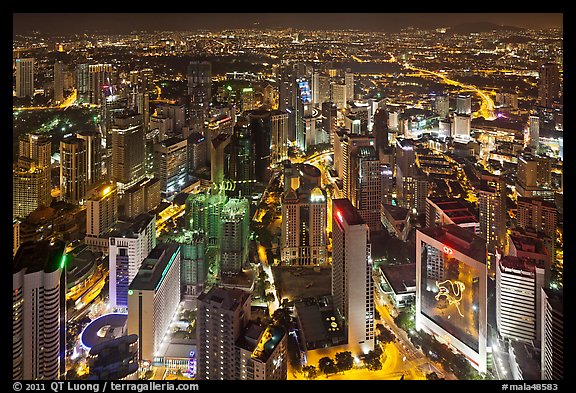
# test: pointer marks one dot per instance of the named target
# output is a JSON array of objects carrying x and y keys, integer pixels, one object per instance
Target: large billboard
[
  {"x": 305, "y": 94},
  {"x": 450, "y": 293}
]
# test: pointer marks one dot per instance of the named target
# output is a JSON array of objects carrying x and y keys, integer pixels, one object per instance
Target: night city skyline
[{"x": 298, "y": 196}]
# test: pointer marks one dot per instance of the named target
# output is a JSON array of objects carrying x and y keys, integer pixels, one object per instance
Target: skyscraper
[
  {"x": 548, "y": 85},
  {"x": 171, "y": 164},
  {"x": 366, "y": 185},
  {"x": 241, "y": 170},
  {"x": 128, "y": 152},
  {"x": 73, "y": 169},
  {"x": 329, "y": 119},
  {"x": 321, "y": 88},
  {"x": 58, "y": 82},
  {"x": 349, "y": 82},
  {"x": 197, "y": 151},
  {"x": 260, "y": 123},
  {"x": 82, "y": 82},
  {"x": 99, "y": 81},
  {"x": 222, "y": 316},
  {"x": 537, "y": 214},
  {"x": 199, "y": 76},
  {"x": 101, "y": 209},
  {"x": 279, "y": 137},
  {"x": 129, "y": 243},
  {"x": 153, "y": 298},
  {"x": 235, "y": 235},
  {"x": 338, "y": 95},
  {"x": 534, "y": 140},
  {"x": 451, "y": 289},
  {"x": 218, "y": 161},
  {"x": 534, "y": 176},
  {"x": 303, "y": 238},
  {"x": 519, "y": 282},
  {"x": 39, "y": 311},
  {"x": 464, "y": 104},
  {"x": 552, "y": 350},
  {"x": 493, "y": 215},
  {"x": 93, "y": 142},
  {"x": 405, "y": 172},
  {"x": 352, "y": 284},
  {"x": 350, "y": 142},
  {"x": 441, "y": 105},
  {"x": 25, "y": 77}
]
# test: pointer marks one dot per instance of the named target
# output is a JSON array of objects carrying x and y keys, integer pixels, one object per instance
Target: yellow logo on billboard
[{"x": 452, "y": 290}]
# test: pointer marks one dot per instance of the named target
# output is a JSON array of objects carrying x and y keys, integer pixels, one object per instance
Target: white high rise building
[
  {"x": 518, "y": 285},
  {"x": 352, "y": 284},
  {"x": 464, "y": 104},
  {"x": 101, "y": 209},
  {"x": 39, "y": 311},
  {"x": 129, "y": 244}
]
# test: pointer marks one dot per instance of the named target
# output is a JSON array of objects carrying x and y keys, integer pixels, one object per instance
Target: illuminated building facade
[
  {"x": 58, "y": 82},
  {"x": 263, "y": 353},
  {"x": 352, "y": 283},
  {"x": 242, "y": 166},
  {"x": 93, "y": 142},
  {"x": 129, "y": 243},
  {"x": 405, "y": 172},
  {"x": 99, "y": 80},
  {"x": 128, "y": 151},
  {"x": 73, "y": 169},
  {"x": 39, "y": 311},
  {"x": 464, "y": 104},
  {"x": 518, "y": 289},
  {"x": 197, "y": 151},
  {"x": 101, "y": 209},
  {"x": 451, "y": 289},
  {"x": 171, "y": 164},
  {"x": 153, "y": 299},
  {"x": 25, "y": 77},
  {"x": 366, "y": 185},
  {"x": 235, "y": 235},
  {"x": 549, "y": 85},
  {"x": 222, "y": 316}
]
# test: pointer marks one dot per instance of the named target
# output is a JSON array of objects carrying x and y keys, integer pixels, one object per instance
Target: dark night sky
[{"x": 69, "y": 23}]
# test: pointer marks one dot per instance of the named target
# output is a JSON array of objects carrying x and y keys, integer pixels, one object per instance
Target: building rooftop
[
  {"x": 523, "y": 264},
  {"x": 226, "y": 298},
  {"x": 102, "y": 329},
  {"x": 268, "y": 343},
  {"x": 155, "y": 266},
  {"x": 343, "y": 209},
  {"x": 196, "y": 138},
  {"x": 219, "y": 139},
  {"x": 528, "y": 244},
  {"x": 39, "y": 256},
  {"x": 131, "y": 228},
  {"x": 402, "y": 278},
  {"x": 398, "y": 213},
  {"x": 460, "y": 239},
  {"x": 319, "y": 322},
  {"x": 171, "y": 141},
  {"x": 545, "y": 203},
  {"x": 455, "y": 209}
]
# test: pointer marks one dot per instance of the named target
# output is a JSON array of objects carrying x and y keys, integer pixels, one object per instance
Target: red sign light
[{"x": 447, "y": 250}]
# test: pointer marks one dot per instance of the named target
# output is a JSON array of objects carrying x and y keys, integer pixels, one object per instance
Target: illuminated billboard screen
[
  {"x": 305, "y": 94},
  {"x": 450, "y": 293}
]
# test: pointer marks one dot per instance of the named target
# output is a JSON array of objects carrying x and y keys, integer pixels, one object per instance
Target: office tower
[
  {"x": 58, "y": 82},
  {"x": 263, "y": 353},
  {"x": 303, "y": 114},
  {"x": 548, "y": 85},
  {"x": 441, "y": 105},
  {"x": 115, "y": 359},
  {"x": 25, "y": 78},
  {"x": 31, "y": 176},
  {"x": 537, "y": 214},
  {"x": 128, "y": 151},
  {"x": 222, "y": 316},
  {"x": 451, "y": 289},
  {"x": 421, "y": 186},
  {"x": 29, "y": 191},
  {"x": 163, "y": 124},
  {"x": 99, "y": 82},
  {"x": 405, "y": 173},
  {"x": 93, "y": 142},
  {"x": 241, "y": 170},
  {"x": 194, "y": 263},
  {"x": 129, "y": 243},
  {"x": 464, "y": 104},
  {"x": 461, "y": 127},
  {"x": 445, "y": 211},
  {"x": 142, "y": 197},
  {"x": 73, "y": 169},
  {"x": 380, "y": 131},
  {"x": 176, "y": 114},
  {"x": 304, "y": 215},
  {"x": 153, "y": 298},
  {"x": 349, "y": 144},
  {"x": 352, "y": 285},
  {"x": 387, "y": 176},
  {"x": 197, "y": 147},
  {"x": 39, "y": 311},
  {"x": 260, "y": 124},
  {"x": 534, "y": 176},
  {"x": 82, "y": 83},
  {"x": 199, "y": 76},
  {"x": 235, "y": 235},
  {"x": 101, "y": 209},
  {"x": 15, "y": 236},
  {"x": 349, "y": 82},
  {"x": 552, "y": 345},
  {"x": 171, "y": 164},
  {"x": 519, "y": 282},
  {"x": 218, "y": 161},
  {"x": 247, "y": 99},
  {"x": 534, "y": 140},
  {"x": 338, "y": 95},
  {"x": 270, "y": 97},
  {"x": 279, "y": 137},
  {"x": 366, "y": 185},
  {"x": 329, "y": 119},
  {"x": 492, "y": 209},
  {"x": 320, "y": 88}
]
